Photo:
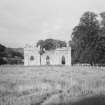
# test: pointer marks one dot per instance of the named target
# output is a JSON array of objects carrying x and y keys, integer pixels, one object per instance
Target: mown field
[{"x": 52, "y": 85}]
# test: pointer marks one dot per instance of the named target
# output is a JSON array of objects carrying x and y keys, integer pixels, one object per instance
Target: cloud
[{"x": 25, "y": 21}]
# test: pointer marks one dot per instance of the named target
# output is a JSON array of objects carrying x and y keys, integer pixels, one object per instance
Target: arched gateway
[
  {"x": 60, "y": 56},
  {"x": 63, "y": 61},
  {"x": 47, "y": 60}
]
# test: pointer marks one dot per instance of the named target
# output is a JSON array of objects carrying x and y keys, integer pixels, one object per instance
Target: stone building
[{"x": 60, "y": 56}]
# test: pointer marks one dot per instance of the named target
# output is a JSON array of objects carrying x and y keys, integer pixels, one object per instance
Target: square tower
[{"x": 31, "y": 55}]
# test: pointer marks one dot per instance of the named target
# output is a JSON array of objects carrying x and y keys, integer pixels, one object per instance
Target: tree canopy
[
  {"x": 10, "y": 55},
  {"x": 88, "y": 39},
  {"x": 50, "y": 44}
]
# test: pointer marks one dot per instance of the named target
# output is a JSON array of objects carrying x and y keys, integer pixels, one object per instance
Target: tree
[
  {"x": 103, "y": 19},
  {"x": 40, "y": 44},
  {"x": 2, "y": 48},
  {"x": 61, "y": 44},
  {"x": 84, "y": 39},
  {"x": 50, "y": 44}
]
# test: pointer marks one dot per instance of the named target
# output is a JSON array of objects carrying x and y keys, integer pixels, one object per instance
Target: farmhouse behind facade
[{"x": 60, "y": 56}]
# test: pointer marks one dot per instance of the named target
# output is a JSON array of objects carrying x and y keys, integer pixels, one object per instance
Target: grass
[{"x": 52, "y": 85}]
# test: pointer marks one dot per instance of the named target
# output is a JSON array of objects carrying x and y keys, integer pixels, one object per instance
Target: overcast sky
[{"x": 27, "y": 21}]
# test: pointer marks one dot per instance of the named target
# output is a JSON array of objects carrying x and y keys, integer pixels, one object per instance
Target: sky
[{"x": 27, "y": 21}]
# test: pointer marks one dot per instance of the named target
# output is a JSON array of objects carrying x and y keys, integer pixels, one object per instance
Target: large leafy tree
[
  {"x": 85, "y": 38},
  {"x": 40, "y": 44},
  {"x": 8, "y": 55},
  {"x": 101, "y": 41},
  {"x": 50, "y": 44}
]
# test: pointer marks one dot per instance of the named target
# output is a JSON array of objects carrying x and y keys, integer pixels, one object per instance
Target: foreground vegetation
[
  {"x": 52, "y": 85},
  {"x": 11, "y": 55}
]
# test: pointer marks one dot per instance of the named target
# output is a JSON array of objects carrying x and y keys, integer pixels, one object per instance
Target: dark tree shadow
[{"x": 96, "y": 100}]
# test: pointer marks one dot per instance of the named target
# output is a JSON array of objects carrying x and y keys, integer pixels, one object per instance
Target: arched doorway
[
  {"x": 63, "y": 62},
  {"x": 31, "y": 58},
  {"x": 47, "y": 60}
]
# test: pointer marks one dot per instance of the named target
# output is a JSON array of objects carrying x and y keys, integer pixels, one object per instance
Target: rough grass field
[{"x": 52, "y": 85}]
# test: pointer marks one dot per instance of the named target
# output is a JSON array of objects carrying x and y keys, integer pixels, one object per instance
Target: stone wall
[
  {"x": 53, "y": 57},
  {"x": 31, "y": 56}
]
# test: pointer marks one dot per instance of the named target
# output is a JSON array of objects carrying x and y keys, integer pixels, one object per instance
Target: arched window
[
  {"x": 47, "y": 60},
  {"x": 31, "y": 58},
  {"x": 63, "y": 60}
]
